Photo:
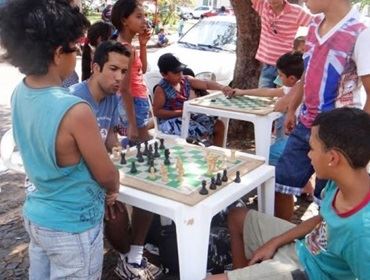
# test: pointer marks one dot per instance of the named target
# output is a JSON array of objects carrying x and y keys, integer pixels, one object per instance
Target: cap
[{"x": 169, "y": 63}]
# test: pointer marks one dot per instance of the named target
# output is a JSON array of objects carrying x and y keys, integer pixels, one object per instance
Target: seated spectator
[
  {"x": 162, "y": 39},
  {"x": 331, "y": 245},
  {"x": 171, "y": 93}
]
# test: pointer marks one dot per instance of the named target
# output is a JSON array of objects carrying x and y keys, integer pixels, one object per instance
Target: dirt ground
[{"x": 14, "y": 260}]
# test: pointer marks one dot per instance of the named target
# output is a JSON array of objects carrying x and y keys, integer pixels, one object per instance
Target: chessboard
[
  {"x": 199, "y": 166},
  {"x": 244, "y": 104}
]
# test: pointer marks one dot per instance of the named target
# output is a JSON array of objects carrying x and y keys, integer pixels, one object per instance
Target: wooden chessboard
[
  {"x": 245, "y": 104},
  {"x": 195, "y": 165}
]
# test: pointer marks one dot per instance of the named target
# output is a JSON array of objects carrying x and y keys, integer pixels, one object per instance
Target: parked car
[
  {"x": 208, "y": 48},
  {"x": 198, "y": 11},
  {"x": 218, "y": 11},
  {"x": 184, "y": 12}
]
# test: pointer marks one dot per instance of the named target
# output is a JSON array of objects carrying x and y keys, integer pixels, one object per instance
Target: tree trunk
[{"x": 247, "y": 68}]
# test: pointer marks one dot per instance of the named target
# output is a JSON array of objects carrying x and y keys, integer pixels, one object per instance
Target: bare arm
[
  {"x": 158, "y": 103},
  {"x": 297, "y": 96},
  {"x": 263, "y": 92},
  {"x": 268, "y": 250},
  {"x": 366, "y": 83},
  {"x": 81, "y": 123},
  {"x": 143, "y": 40},
  {"x": 211, "y": 85}
]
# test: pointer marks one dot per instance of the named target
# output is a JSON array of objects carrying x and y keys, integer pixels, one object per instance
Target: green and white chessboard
[
  {"x": 245, "y": 104},
  {"x": 195, "y": 165}
]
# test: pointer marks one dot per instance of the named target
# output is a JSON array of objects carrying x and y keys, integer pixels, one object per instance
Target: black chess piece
[
  {"x": 167, "y": 152},
  {"x": 224, "y": 176},
  {"x": 218, "y": 179},
  {"x": 138, "y": 149},
  {"x": 140, "y": 157},
  {"x": 213, "y": 186},
  {"x": 123, "y": 158},
  {"x": 145, "y": 152},
  {"x": 133, "y": 169},
  {"x": 203, "y": 190},
  {"x": 161, "y": 146},
  {"x": 156, "y": 153},
  {"x": 237, "y": 177},
  {"x": 167, "y": 160},
  {"x": 150, "y": 149},
  {"x": 152, "y": 165},
  {"x": 149, "y": 159}
]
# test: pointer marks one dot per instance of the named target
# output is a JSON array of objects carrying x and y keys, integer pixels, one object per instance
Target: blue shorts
[
  {"x": 267, "y": 76},
  {"x": 294, "y": 169},
  {"x": 141, "y": 106}
]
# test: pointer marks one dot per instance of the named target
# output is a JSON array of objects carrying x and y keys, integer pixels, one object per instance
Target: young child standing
[
  {"x": 333, "y": 245},
  {"x": 290, "y": 69},
  {"x": 128, "y": 18},
  {"x": 171, "y": 93},
  {"x": 59, "y": 142}
]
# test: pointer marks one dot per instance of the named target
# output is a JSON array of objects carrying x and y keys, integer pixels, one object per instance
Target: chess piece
[
  {"x": 156, "y": 153},
  {"x": 237, "y": 177},
  {"x": 151, "y": 165},
  {"x": 167, "y": 157},
  {"x": 116, "y": 152},
  {"x": 203, "y": 190},
  {"x": 152, "y": 173},
  {"x": 224, "y": 176},
  {"x": 140, "y": 157},
  {"x": 213, "y": 186},
  {"x": 161, "y": 146},
  {"x": 233, "y": 157},
  {"x": 218, "y": 179},
  {"x": 164, "y": 173},
  {"x": 123, "y": 158},
  {"x": 145, "y": 152},
  {"x": 133, "y": 169}
]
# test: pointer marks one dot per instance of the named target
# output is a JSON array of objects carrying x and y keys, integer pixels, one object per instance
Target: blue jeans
[
  {"x": 267, "y": 76},
  {"x": 63, "y": 255},
  {"x": 141, "y": 107},
  {"x": 294, "y": 169}
]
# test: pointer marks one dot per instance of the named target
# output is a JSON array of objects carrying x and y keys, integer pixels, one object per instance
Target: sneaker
[{"x": 133, "y": 271}]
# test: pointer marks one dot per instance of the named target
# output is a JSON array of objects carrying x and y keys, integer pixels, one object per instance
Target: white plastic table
[
  {"x": 193, "y": 222},
  {"x": 262, "y": 123}
]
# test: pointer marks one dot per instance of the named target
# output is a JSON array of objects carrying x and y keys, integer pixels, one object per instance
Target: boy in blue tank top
[
  {"x": 59, "y": 142},
  {"x": 332, "y": 245}
]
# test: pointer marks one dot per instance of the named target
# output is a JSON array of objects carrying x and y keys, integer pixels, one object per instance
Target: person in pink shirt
[
  {"x": 128, "y": 17},
  {"x": 280, "y": 21}
]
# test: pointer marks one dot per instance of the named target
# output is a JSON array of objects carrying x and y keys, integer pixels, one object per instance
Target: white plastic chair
[{"x": 11, "y": 159}]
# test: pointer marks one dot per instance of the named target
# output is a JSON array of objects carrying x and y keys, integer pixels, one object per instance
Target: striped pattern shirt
[
  {"x": 278, "y": 31},
  {"x": 331, "y": 79}
]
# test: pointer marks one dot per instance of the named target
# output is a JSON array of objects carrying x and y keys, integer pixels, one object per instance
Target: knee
[{"x": 235, "y": 219}]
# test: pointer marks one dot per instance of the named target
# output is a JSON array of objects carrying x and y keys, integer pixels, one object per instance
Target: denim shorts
[
  {"x": 142, "y": 109},
  {"x": 294, "y": 169},
  {"x": 267, "y": 76},
  {"x": 62, "y": 255}
]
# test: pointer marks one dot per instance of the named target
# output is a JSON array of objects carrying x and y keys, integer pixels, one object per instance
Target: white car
[
  {"x": 208, "y": 48},
  {"x": 198, "y": 11}
]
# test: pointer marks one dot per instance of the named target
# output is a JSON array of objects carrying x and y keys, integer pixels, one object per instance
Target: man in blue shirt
[{"x": 110, "y": 63}]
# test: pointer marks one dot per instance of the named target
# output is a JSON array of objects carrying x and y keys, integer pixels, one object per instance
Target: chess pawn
[
  {"x": 213, "y": 184},
  {"x": 237, "y": 177},
  {"x": 133, "y": 169},
  {"x": 152, "y": 173},
  {"x": 233, "y": 156},
  {"x": 161, "y": 146},
  {"x": 164, "y": 173},
  {"x": 203, "y": 190},
  {"x": 123, "y": 158}
]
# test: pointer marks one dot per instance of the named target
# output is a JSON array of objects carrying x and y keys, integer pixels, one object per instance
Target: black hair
[
  {"x": 188, "y": 71},
  {"x": 31, "y": 31},
  {"x": 291, "y": 64},
  {"x": 348, "y": 131},
  {"x": 99, "y": 30},
  {"x": 297, "y": 41},
  {"x": 101, "y": 55},
  {"x": 122, "y": 9}
]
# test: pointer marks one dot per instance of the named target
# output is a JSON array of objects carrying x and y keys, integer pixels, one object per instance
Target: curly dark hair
[
  {"x": 31, "y": 31},
  {"x": 123, "y": 9}
]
